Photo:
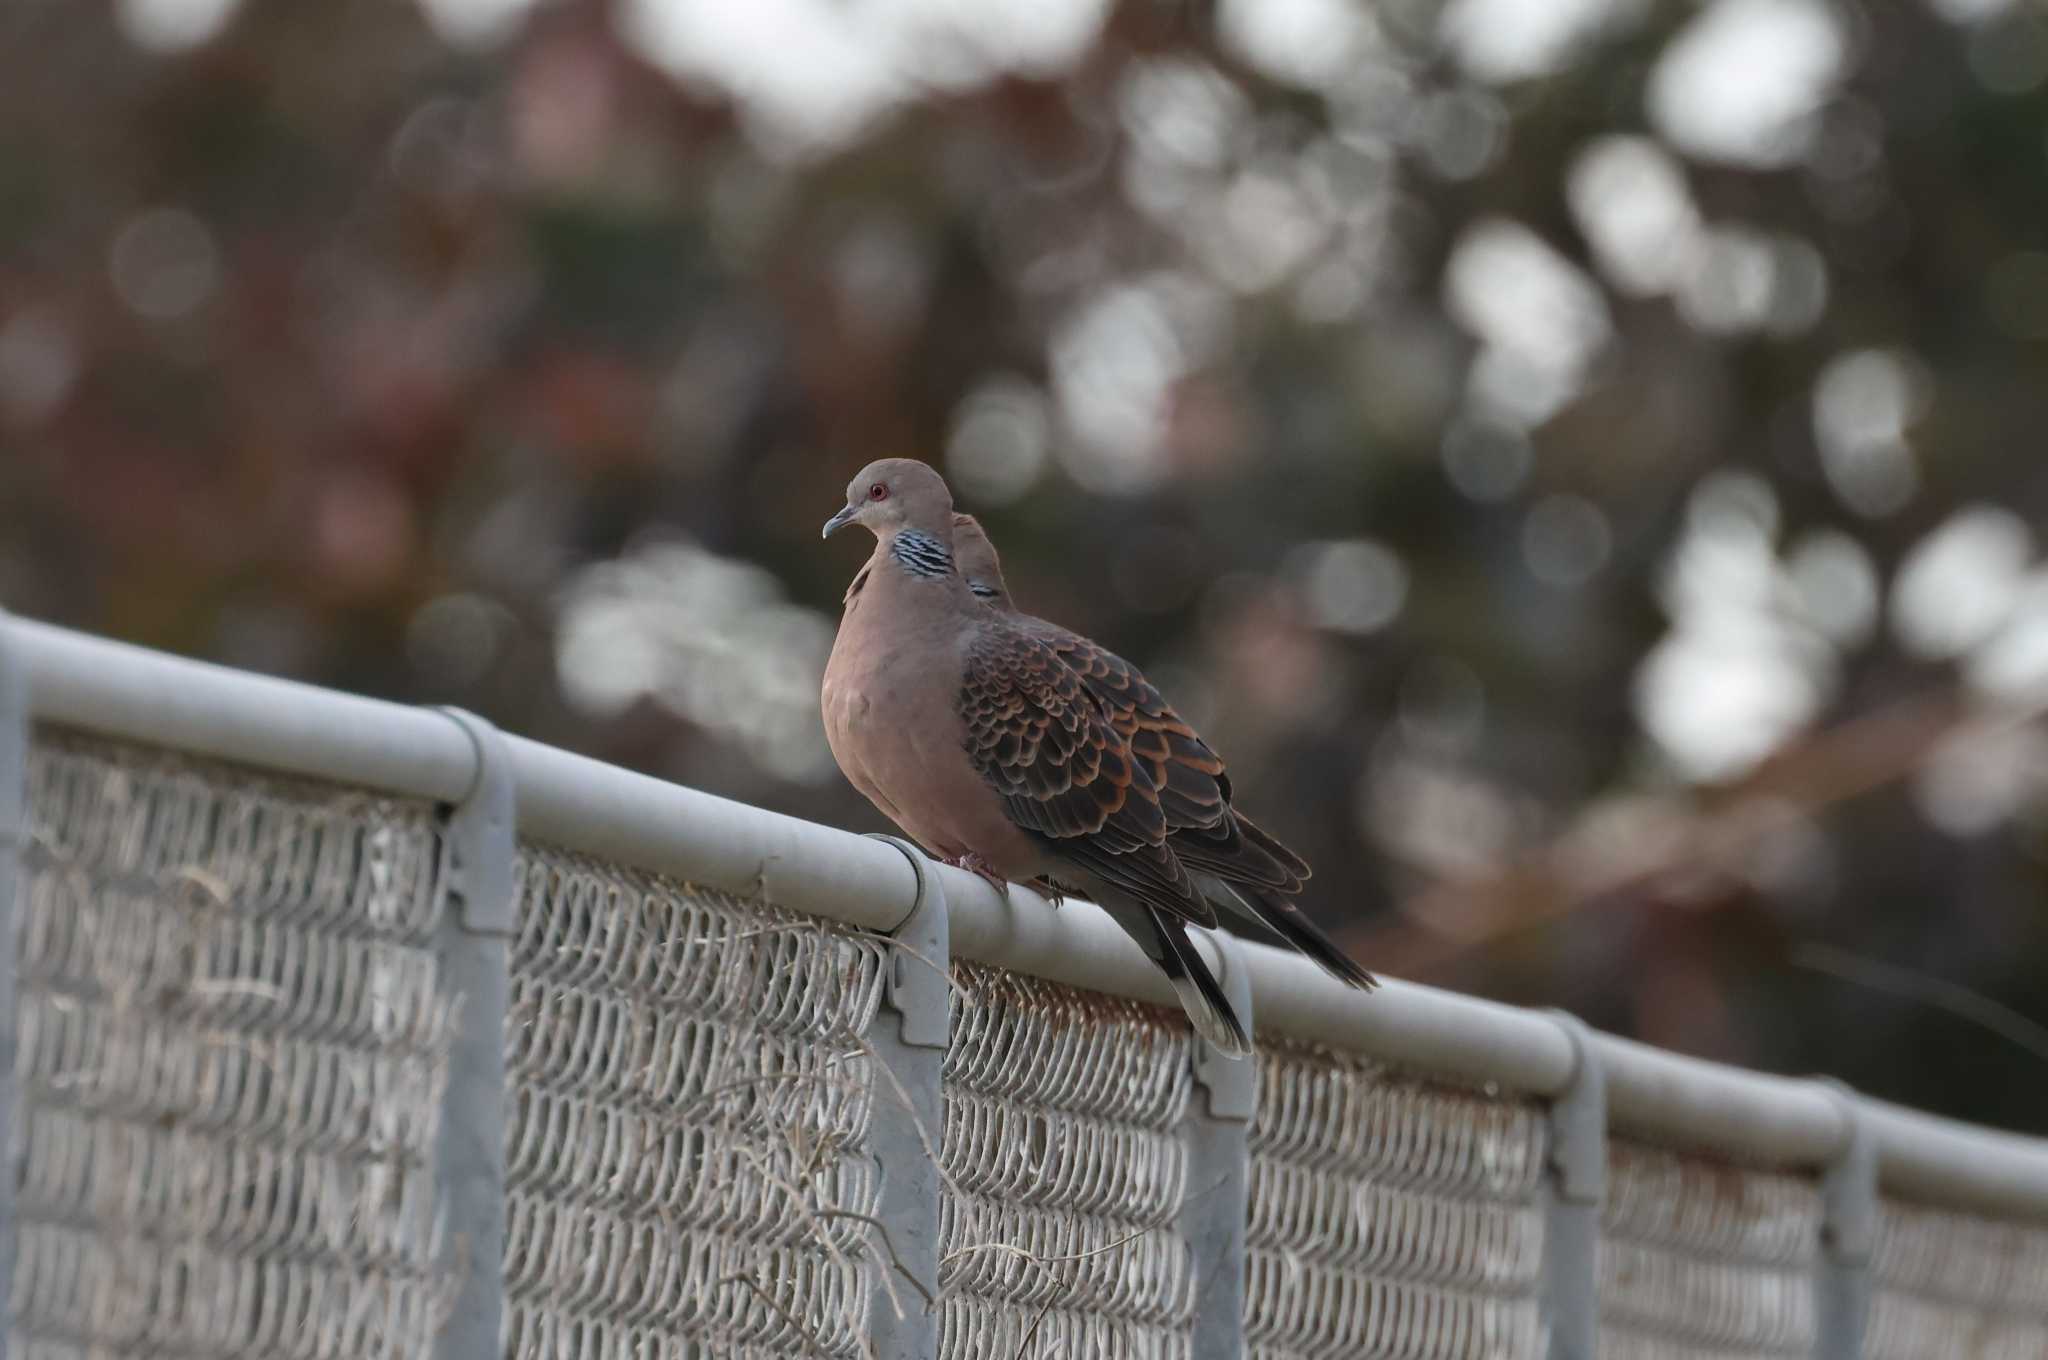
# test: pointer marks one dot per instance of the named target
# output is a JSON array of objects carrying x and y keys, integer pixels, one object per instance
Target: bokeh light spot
[
  {"x": 997, "y": 448},
  {"x": 475, "y": 23},
  {"x": 1863, "y": 403},
  {"x": 1565, "y": 540},
  {"x": 1631, "y": 200},
  {"x": 1486, "y": 462},
  {"x": 169, "y": 26},
  {"x": 1504, "y": 40},
  {"x": 1352, "y": 585},
  {"x": 2009, "y": 55},
  {"x": 38, "y": 366},
  {"x": 1836, "y": 584},
  {"x": 164, "y": 263},
  {"x": 1739, "y": 81},
  {"x": 1541, "y": 319},
  {"x": 1959, "y": 584}
]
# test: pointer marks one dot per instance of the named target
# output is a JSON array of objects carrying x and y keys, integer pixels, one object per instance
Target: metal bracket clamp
[
  {"x": 909, "y": 1037},
  {"x": 1577, "y": 1190},
  {"x": 917, "y": 983},
  {"x": 14, "y": 749},
  {"x": 482, "y": 834},
  {"x": 473, "y": 947},
  {"x": 1848, "y": 1233},
  {"x": 1215, "y": 1201}
]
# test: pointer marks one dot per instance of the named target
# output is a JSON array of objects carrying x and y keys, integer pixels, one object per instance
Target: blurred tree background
[{"x": 1580, "y": 461}]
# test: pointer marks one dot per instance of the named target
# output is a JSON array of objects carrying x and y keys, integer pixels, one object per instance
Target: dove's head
[
  {"x": 976, "y": 558},
  {"x": 895, "y": 494}
]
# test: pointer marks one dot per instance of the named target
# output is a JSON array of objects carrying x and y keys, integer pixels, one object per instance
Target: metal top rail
[{"x": 581, "y": 804}]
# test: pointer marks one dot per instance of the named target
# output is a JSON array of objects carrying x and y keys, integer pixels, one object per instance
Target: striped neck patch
[{"x": 921, "y": 554}]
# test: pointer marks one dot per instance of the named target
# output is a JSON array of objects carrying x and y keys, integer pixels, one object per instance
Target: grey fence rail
[{"x": 334, "y": 1028}]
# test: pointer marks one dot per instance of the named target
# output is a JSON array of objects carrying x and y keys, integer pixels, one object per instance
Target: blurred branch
[
  {"x": 1621, "y": 851},
  {"x": 1911, "y": 985}
]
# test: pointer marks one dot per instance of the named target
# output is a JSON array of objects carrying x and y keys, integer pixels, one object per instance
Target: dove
[
  {"x": 987, "y": 749},
  {"x": 1237, "y": 864}
]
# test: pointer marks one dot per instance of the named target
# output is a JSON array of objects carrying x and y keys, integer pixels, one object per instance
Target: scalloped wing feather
[
  {"x": 1191, "y": 782},
  {"x": 1064, "y": 771}
]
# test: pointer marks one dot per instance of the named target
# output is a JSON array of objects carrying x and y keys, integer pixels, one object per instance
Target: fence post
[
  {"x": 479, "y": 916},
  {"x": 1577, "y": 1189},
  {"x": 909, "y": 1036},
  {"x": 14, "y": 823},
  {"x": 1216, "y": 1133},
  {"x": 1848, "y": 1235}
]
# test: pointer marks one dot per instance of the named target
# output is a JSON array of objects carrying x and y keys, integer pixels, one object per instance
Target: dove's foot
[
  {"x": 975, "y": 864},
  {"x": 1050, "y": 891}
]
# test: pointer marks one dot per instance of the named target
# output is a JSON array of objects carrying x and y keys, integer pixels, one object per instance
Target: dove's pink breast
[{"x": 890, "y": 706}]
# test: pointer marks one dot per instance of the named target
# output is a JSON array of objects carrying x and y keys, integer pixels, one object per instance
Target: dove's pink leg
[{"x": 975, "y": 864}]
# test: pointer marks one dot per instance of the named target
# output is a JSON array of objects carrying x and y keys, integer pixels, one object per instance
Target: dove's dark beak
[{"x": 840, "y": 521}]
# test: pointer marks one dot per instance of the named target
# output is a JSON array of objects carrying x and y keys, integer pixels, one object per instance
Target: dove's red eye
[{"x": 878, "y": 492}]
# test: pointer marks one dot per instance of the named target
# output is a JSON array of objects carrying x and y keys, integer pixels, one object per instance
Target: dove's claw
[
  {"x": 975, "y": 864},
  {"x": 1050, "y": 891}
]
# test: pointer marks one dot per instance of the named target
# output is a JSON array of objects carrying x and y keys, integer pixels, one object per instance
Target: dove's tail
[
  {"x": 1291, "y": 924},
  {"x": 1200, "y": 996},
  {"x": 1163, "y": 936}
]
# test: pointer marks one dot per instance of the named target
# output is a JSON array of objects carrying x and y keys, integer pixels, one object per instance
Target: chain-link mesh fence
[
  {"x": 1065, "y": 1173},
  {"x": 689, "y": 1098},
  {"x": 1701, "y": 1259},
  {"x": 230, "y": 1075},
  {"x": 1390, "y": 1215},
  {"x": 1950, "y": 1284},
  {"x": 231, "y": 1051}
]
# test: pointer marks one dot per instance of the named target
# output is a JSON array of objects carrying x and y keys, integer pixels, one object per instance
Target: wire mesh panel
[
  {"x": 1947, "y": 1284},
  {"x": 230, "y": 1064},
  {"x": 1390, "y": 1216},
  {"x": 1064, "y": 1173},
  {"x": 688, "y": 1106},
  {"x": 1701, "y": 1259}
]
